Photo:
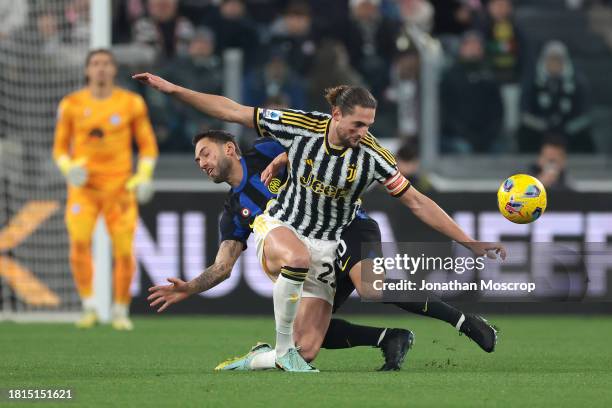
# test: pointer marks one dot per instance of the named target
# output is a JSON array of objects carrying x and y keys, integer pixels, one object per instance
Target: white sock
[
  {"x": 120, "y": 310},
  {"x": 264, "y": 361},
  {"x": 88, "y": 304},
  {"x": 286, "y": 295},
  {"x": 460, "y": 322}
]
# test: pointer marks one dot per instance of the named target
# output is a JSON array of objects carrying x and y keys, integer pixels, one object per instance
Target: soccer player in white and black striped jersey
[{"x": 332, "y": 160}]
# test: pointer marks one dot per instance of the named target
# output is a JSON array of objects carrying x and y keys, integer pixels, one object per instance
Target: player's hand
[
  {"x": 74, "y": 170},
  {"x": 155, "y": 82},
  {"x": 141, "y": 182},
  {"x": 143, "y": 187},
  {"x": 275, "y": 166},
  {"x": 489, "y": 249},
  {"x": 168, "y": 294}
]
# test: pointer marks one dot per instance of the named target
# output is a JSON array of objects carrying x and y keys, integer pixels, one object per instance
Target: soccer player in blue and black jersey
[{"x": 218, "y": 155}]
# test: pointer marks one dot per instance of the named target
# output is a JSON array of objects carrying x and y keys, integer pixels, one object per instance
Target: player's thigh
[
  {"x": 282, "y": 247},
  {"x": 311, "y": 324},
  {"x": 121, "y": 215},
  {"x": 82, "y": 210},
  {"x": 321, "y": 279}
]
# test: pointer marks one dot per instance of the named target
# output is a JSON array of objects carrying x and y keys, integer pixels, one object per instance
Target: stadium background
[
  {"x": 463, "y": 103},
  {"x": 464, "y": 121}
]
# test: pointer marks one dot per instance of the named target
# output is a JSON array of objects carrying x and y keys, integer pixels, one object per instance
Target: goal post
[{"x": 100, "y": 37}]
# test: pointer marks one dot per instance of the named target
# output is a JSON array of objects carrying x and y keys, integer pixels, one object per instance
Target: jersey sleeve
[
  {"x": 63, "y": 130},
  {"x": 286, "y": 125},
  {"x": 385, "y": 167},
  {"x": 143, "y": 130},
  {"x": 231, "y": 229},
  {"x": 268, "y": 147}
]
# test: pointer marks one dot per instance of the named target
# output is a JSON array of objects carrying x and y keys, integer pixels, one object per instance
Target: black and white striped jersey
[{"x": 325, "y": 183}]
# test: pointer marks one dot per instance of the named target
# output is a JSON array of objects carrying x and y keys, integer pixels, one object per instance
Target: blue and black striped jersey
[{"x": 249, "y": 199}]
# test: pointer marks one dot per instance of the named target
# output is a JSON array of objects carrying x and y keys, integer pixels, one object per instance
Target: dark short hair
[
  {"x": 408, "y": 151},
  {"x": 556, "y": 140},
  {"x": 218, "y": 136},
  {"x": 97, "y": 51},
  {"x": 346, "y": 97}
]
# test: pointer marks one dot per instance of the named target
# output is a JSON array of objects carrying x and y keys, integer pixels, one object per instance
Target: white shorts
[{"x": 321, "y": 280}]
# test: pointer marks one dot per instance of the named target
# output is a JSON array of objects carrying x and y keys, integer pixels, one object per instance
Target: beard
[
  {"x": 346, "y": 140},
  {"x": 224, "y": 170}
]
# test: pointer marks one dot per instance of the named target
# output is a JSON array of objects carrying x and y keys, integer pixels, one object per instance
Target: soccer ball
[{"x": 521, "y": 199}]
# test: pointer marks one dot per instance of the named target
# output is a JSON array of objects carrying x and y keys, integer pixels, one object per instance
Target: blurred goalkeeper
[{"x": 93, "y": 149}]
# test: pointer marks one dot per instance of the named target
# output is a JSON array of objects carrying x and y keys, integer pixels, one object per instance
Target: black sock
[
  {"x": 432, "y": 308},
  {"x": 342, "y": 334}
]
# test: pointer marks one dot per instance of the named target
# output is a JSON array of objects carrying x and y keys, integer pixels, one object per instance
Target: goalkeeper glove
[
  {"x": 74, "y": 170},
  {"x": 141, "y": 182}
]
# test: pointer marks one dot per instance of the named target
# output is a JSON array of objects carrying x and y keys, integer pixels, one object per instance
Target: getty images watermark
[
  {"x": 419, "y": 265},
  {"x": 531, "y": 272}
]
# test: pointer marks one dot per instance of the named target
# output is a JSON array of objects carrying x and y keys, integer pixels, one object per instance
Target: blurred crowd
[{"x": 494, "y": 96}]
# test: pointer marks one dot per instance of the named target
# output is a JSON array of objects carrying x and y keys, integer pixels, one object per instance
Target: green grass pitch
[{"x": 168, "y": 361}]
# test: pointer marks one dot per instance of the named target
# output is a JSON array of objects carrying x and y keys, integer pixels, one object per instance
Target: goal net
[{"x": 41, "y": 60}]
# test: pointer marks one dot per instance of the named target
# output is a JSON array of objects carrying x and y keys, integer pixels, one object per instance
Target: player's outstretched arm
[
  {"x": 431, "y": 214},
  {"x": 216, "y": 106},
  {"x": 179, "y": 290}
]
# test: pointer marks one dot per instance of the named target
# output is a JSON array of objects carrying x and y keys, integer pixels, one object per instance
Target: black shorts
[{"x": 349, "y": 254}]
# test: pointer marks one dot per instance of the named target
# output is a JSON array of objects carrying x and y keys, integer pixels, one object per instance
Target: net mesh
[{"x": 41, "y": 60}]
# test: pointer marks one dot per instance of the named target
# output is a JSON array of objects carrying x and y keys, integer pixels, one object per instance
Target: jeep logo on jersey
[
  {"x": 245, "y": 212},
  {"x": 319, "y": 187},
  {"x": 274, "y": 185},
  {"x": 352, "y": 173},
  {"x": 115, "y": 119}
]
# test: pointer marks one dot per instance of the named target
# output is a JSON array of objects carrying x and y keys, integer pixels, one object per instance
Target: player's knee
[
  {"x": 297, "y": 259},
  {"x": 79, "y": 249},
  {"x": 122, "y": 252},
  {"x": 123, "y": 260},
  {"x": 367, "y": 290},
  {"x": 122, "y": 246}
]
